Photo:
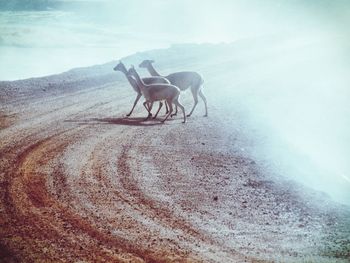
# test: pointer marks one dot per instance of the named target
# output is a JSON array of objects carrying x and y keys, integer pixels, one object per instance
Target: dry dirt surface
[{"x": 80, "y": 182}]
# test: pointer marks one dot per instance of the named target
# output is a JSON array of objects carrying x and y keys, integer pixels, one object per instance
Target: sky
[{"x": 41, "y": 37}]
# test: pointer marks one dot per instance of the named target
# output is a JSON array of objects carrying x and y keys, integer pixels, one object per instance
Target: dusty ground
[{"x": 82, "y": 183}]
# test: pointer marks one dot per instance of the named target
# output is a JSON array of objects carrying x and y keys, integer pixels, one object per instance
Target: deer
[
  {"x": 158, "y": 92},
  {"x": 183, "y": 80},
  {"x": 121, "y": 67}
]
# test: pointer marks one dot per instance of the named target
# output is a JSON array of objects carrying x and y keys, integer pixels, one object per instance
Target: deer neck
[
  {"x": 139, "y": 81},
  {"x": 129, "y": 78},
  {"x": 152, "y": 71},
  {"x": 124, "y": 70}
]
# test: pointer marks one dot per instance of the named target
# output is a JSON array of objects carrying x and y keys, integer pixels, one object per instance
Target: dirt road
[{"x": 82, "y": 183}]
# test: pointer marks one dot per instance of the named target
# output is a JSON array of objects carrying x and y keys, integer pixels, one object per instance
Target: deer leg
[
  {"x": 148, "y": 108},
  {"x": 175, "y": 113},
  {"x": 166, "y": 108},
  {"x": 160, "y": 106},
  {"x": 177, "y": 103},
  {"x": 195, "y": 97},
  {"x": 205, "y": 102},
  {"x": 135, "y": 102},
  {"x": 170, "y": 110}
]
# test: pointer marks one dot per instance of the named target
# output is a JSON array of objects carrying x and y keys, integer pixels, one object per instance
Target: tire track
[
  {"x": 171, "y": 217},
  {"x": 130, "y": 212},
  {"x": 39, "y": 217}
]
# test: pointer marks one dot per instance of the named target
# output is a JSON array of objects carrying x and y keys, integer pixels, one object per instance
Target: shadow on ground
[{"x": 118, "y": 121}]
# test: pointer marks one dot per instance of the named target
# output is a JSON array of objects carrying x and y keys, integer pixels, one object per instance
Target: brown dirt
[{"x": 81, "y": 183}]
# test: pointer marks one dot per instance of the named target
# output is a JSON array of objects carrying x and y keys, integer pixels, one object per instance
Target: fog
[
  {"x": 298, "y": 106},
  {"x": 299, "y": 103},
  {"x": 44, "y": 37}
]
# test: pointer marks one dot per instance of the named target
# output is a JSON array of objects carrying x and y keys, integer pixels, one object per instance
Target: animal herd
[{"x": 163, "y": 88}]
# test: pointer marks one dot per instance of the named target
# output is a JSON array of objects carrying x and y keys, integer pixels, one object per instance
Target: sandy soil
[{"x": 82, "y": 183}]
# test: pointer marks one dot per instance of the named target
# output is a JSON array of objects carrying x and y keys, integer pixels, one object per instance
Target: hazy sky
[{"x": 81, "y": 33}]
